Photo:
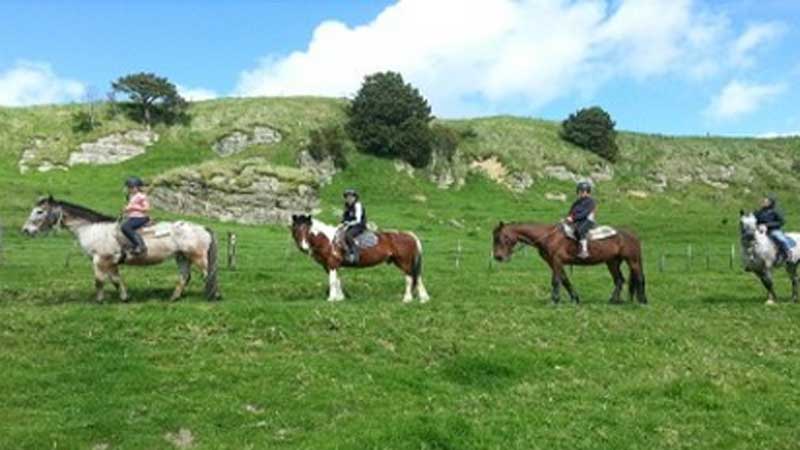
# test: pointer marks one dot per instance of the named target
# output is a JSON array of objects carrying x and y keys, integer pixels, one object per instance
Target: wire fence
[{"x": 243, "y": 253}]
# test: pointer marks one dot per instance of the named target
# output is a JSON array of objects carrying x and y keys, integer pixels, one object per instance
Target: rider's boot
[
  {"x": 139, "y": 248},
  {"x": 584, "y": 253}
]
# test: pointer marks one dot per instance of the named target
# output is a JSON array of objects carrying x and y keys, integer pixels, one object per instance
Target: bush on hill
[
  {"x": 391, "y": 119},
  {"x": 593, "y": 130},
  {"x": 328, "y": 142}
]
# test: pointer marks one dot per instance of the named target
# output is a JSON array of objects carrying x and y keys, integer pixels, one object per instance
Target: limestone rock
[
  {"x": 250, "y": 191},
  {"x": 324, "y": 170},
  {"x": 239, "y": 141},
  {"x": 114, "y": 148},
  {"x": 560, "y": 173},
  {"x": 556, "y": 196}
]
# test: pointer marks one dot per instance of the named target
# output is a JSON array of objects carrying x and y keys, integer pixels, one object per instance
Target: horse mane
[{"x": 84, "y": 212}]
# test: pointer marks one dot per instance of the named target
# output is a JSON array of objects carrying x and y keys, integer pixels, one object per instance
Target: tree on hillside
[
  {"x": 153, "y": 98},
  {"x": 328, "y": 142},
  {"x": 390, "y": 118},
  {"x": 592, "y": 129}
]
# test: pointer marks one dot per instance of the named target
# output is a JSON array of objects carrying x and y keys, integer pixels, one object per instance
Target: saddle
[
  {"x": 365, "y": 240},
  {"x": 152, "y": 229},
  {"x": 597, "y": 233}
]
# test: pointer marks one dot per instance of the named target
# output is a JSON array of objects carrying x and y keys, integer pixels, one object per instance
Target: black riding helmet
[
  {"x": 584, "y": 186},
  {"x": 134, "y": 182},
  {"x": 352, "y": 192}
]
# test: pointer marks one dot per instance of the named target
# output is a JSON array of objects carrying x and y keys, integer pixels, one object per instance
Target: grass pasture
[{"x": 488, "y": 364}]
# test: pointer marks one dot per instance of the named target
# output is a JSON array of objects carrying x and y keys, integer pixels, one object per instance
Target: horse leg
[
  {"x": 99, "y": 278},
  {"x": 792, "y": 269},
  {"x": 766, "y": 280},
  {"x": 637, "y": 282},
  {"x": 408, "y": 296},
  {"x": 555, "y": 282},
  {"x": 116, "y": 279},
  {"x": 334, "y": 287},
  {"x": 573, "y": 295},
  {"x": 184, "y": 276},
  {"x": 422, "y": 293},
  {"x": 619, "y": 279}
]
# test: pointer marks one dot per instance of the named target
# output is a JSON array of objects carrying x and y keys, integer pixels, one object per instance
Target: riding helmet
[
  {"x": 352, "y": 192},
  {"x": 584, "y": 186},
  {"x": 134, "y": 182}
]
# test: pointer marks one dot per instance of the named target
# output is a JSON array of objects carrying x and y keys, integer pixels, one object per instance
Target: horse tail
[
  {"x": 212, "y": 283},
  {"x": 636, "y": 264},
  {"x": 416, "y": 268}
]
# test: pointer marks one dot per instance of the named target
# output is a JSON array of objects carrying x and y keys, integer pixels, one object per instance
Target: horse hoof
[
  {"x": 424, "y": 299},
  {"x": 407, "y": 299},
  {"x": 771, "y": 302}
]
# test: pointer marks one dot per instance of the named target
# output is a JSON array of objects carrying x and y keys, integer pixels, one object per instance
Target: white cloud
[
  {"x": 196, "y": 94},
  {"x": 754, "y": 36},
  {"x": 776, "y": 134},
  {"x": 739, "y": 98},
  {"x": 35, "y": 83},
  {"x": 468, "y": 55}
]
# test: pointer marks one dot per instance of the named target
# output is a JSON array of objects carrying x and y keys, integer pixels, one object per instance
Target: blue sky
[{"x": 670, "y": 66}]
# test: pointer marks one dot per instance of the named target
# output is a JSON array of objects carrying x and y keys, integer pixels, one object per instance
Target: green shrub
[
  {"x": 391, "y": 119},
  {"x": 84, "y": 121},
  {"x": 593, "y": 130},
  {"x": 328, "y": 142},
  {"x": 445, "y": 141}
]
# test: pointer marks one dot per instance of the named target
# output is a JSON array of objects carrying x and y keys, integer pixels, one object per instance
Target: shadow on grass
[{"x": 480, "y": 372}]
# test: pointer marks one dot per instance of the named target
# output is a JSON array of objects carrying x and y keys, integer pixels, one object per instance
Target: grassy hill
[{"x": 487, "y": 364}]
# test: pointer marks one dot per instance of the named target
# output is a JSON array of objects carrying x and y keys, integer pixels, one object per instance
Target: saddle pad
[
  {"x": 366, "y": 239},
  {"x": 597, "y": 233},
  {"x": 601, "y": 232}
]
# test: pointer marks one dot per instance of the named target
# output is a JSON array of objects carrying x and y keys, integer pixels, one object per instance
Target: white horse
[
  {"x": 760, "y": 255},
  {"x": 101, "y": 239}
]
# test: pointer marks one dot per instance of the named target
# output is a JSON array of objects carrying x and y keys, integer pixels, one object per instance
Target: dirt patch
[
  {"x": 492, "y": 167},
  {"x": 183, "y": 438}
]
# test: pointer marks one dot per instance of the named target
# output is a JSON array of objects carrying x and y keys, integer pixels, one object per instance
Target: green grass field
[{"x": 488, "y": 364}]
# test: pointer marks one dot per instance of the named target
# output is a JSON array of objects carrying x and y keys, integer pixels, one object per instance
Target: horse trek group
[{"x": 575, "y": 240}]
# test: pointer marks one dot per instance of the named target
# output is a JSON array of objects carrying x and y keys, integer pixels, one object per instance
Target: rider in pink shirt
[{"x": 135, "y": 214}]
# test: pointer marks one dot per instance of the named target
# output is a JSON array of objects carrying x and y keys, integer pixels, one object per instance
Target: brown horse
[
  {"x": 558, "y": 251},
  {"x": 402, "y": 249}
]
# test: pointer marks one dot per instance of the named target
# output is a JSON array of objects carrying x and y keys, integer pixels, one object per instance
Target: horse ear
[
  {"x": 741, "y": 213},
  {"x": 502, "y": 224}
]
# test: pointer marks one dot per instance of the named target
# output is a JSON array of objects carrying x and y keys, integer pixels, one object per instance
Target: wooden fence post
[
  {"x": 458, "y": 254},
  {"x": 662, "y": 262},
  {"x": 231, "y": 250},
  {"x": 689, "y": 257},
  {"x": 733, "y": 255}
]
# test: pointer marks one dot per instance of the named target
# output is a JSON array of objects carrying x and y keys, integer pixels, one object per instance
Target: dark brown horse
[
  {"x": 402, "y": 249},
  {"x": 559, "y": 251}
]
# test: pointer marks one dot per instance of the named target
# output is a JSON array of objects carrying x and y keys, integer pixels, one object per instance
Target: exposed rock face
[
  {"x": 114, "y": 148},
  {"x": 249, "y": 191},
  {"x": 239, "y": 140},
  {"x": 324, "y": 170},
  {"x": 30, "y": 160},
  {"x": 556, "y": 196},
  {"x": 495, "y": 170}
]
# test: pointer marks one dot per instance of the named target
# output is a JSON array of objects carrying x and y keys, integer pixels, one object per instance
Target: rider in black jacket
[
  {"x": 581, "y": 215},
  {"x": 354, "y": 219},
  {"x": 772, "y": 220}
]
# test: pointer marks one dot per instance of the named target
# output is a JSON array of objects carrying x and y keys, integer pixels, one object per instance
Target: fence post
[
  {"x": 231, "y": 250},
  {"x": 708, "y": 259},
  {"x": 662, "y": 262},
  {"x": 733, "y": 255},
  {"x": 689, "y": 257},
  {"x": 458, "y": 254}
]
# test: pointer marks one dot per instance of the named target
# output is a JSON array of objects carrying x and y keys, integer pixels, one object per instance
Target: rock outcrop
[
  {"x": 249, "y": 191},
  {"x": 114, "y": 148},
  {"x": 31, "y": 157},
  {"x": 239, "y": 141},
  {"x": 324, "y": 170}
]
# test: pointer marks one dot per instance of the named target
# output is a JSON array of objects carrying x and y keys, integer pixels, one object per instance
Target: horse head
[
  {"x": 45, "y": 215},
  {"x": 748, "y": 226},
  {"x": 504, "y": 239},
  {"x": 301, "y": 228}
]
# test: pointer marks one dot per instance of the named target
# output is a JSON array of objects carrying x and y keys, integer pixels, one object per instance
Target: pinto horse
[
  {"x": 100, "y": 238},
  {"x": 559, "y": 251},
  {"x": 403, "y": 249}
]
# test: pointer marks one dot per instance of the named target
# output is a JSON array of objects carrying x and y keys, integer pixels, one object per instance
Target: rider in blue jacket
[
  {"x": 772, "y": 219},
  {"x": 581, "y": 216}
]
